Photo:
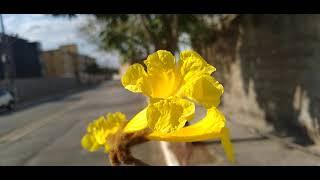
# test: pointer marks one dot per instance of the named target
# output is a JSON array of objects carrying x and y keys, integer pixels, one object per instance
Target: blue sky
[{"x": 52, "y": 32}]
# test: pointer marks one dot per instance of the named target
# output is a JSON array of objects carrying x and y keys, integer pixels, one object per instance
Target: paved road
[{"x": 50, "y": 133}]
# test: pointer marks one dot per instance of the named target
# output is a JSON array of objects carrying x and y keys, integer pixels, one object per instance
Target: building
[
  {"x": 19, "y": 58},
  {"x": 65, "y": 62}
]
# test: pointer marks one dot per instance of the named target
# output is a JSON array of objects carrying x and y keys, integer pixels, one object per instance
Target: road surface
[{"x": 49, "y": 133}]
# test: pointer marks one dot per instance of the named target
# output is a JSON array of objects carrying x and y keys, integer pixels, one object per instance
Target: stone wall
[{"x": 270, "y": 67}]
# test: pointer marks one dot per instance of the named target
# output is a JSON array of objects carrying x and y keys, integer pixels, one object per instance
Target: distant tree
[
  {"x": 204, "y": 29},
  {"x": 95, "y": 69},
  {"x": 92, "y": 68},
  {"x": 135, "y": 36}
]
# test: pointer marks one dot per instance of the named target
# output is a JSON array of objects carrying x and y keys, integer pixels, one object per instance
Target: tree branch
[{"x": 145, "y": 22}]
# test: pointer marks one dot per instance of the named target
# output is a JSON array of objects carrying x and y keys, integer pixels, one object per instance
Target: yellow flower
[
  {"x": 166, "y": 119},
  {"x": 190, "y": 77},
  {"x": 100, "y": 131},
  {"x": 167, "y": 82}
]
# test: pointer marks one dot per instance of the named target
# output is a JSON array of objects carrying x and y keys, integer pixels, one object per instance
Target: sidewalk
[
  {"x": 251, "y": 148},
  {"x": 254, "y": 149}
]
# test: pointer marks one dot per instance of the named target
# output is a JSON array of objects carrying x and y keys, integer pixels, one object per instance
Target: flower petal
[
  {"x": 213, "y": 126},
  {"x": 169, "y": 115},
  {"x": 89, "y": 143},
  {"x": 114, "y": 121},
  {"x": 204, "y": 89},
  {"x": 116, "y": 117},
  {"x": 138, "y": 122},
  {"x": 134, "y": 78},
  {"x": 208, "y": 128},
  {"x": 163, "y": 84},
  {"x": 188, "y": 109},
  {"x": 227, "y": 145},
  {"x": 101, "y": 129},
  {"x": 192, "y": 64},
  {"x": 163, "y": 78},
  {"x": 107, "y": 147},
  {"x": 161, "y": 60}
]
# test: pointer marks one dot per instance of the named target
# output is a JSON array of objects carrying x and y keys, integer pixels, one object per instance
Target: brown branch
[
  {"x": 124, "y": 156},
  {"x": 135, "y": 162},
  {"x": 121, "y": 153},
  {"x": 114, "y": 159},
  {"x": 136, "y": 141}
]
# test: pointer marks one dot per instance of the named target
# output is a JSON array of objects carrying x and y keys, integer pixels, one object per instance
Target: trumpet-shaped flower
[
  {"x": 156, "y": 118},
  {"x": 101, "y": 130},
  {"x": 167, "y": 82},
  {"x": 190, "y": 77},
  {"x": 166, "y": 120}
]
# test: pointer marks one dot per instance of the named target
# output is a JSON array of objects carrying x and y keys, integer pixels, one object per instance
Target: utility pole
[
  {"x": 2, "y": 50},
  {"x": 6, "y": 59},
  {"x": 2, "y": 25}
]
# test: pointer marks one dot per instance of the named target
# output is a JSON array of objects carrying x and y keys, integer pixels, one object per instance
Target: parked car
[{"x": 7, "y": 100}]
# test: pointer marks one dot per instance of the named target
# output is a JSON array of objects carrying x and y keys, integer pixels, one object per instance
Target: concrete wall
[
  {"x": 35, "y": 88},
  {"x": 270, "y": 67}
]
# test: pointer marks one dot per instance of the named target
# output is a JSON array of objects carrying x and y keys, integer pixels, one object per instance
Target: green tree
[
  {"x": 204, "y": 29},
  {"x": 135, "y": 36}
]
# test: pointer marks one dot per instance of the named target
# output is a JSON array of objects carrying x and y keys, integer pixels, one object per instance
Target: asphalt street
[{"x": 49, "y": 133}]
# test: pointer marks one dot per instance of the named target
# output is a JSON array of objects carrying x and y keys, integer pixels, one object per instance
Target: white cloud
[{"x": 52, "y": 32}]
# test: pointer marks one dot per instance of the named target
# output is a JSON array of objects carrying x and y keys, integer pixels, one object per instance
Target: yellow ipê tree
[{"x": 173, "y": 87}]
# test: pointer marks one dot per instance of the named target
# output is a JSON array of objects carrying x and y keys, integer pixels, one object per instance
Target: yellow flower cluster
[{"x": 172, "y": 87}]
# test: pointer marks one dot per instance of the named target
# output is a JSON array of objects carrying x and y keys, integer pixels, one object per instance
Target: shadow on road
[{"x": 236, "y": 140}]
